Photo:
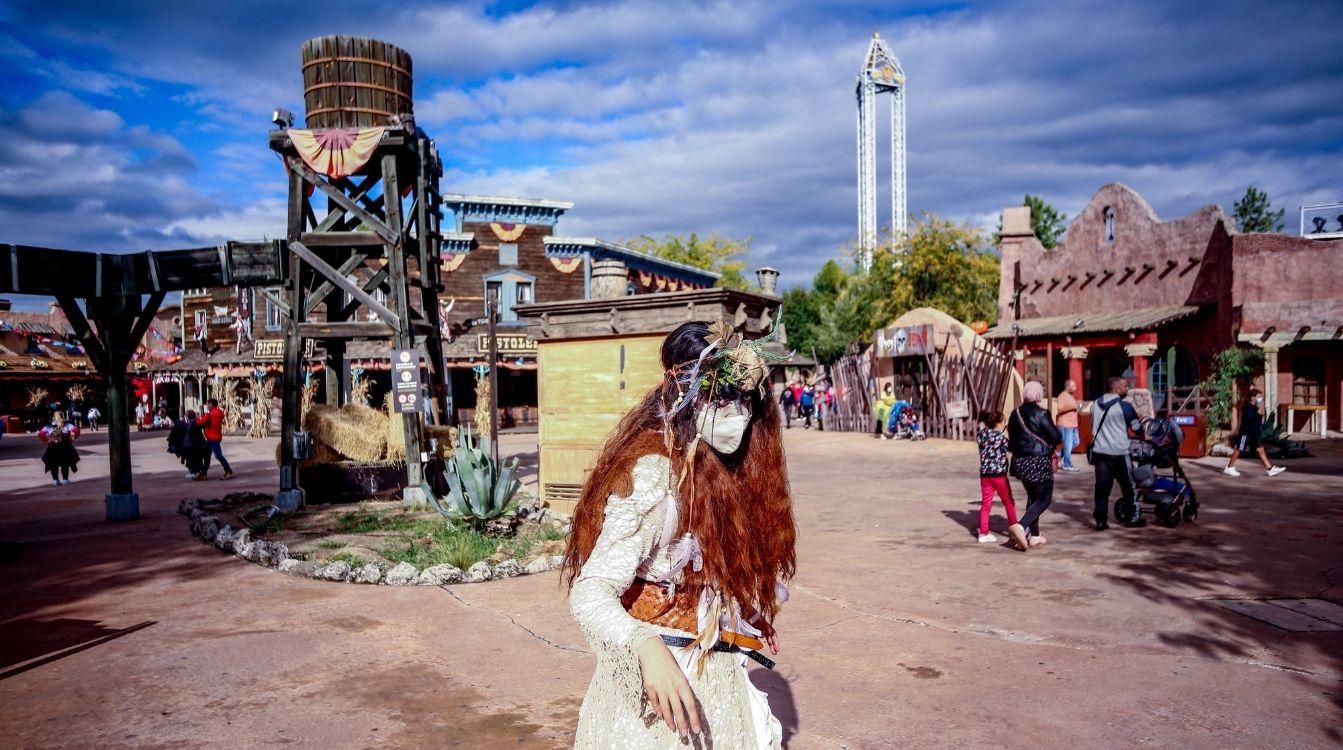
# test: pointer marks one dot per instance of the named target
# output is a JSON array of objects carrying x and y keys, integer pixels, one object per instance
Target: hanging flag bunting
[
  {"x": 566, "y": 265},
  {"x": 336, "y": 152},
  {"x": 507, "y": 232},
  {"x": 451, "y": 261}
]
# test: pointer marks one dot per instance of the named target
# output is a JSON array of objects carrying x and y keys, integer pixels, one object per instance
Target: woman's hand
[
  {"x": 668, "y": 690},
  {"x": 771, "y": 635}
]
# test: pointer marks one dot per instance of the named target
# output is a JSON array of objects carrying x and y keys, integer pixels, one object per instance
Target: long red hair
[{"x": 738, "y": 506}]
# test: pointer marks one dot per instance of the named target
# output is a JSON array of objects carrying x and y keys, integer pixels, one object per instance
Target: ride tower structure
[{"x": 881, "y": 74}]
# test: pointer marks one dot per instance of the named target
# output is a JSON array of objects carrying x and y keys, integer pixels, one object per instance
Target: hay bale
[
  {"x": 396, "y": 435},
  {"x": 352, "y": 432}
]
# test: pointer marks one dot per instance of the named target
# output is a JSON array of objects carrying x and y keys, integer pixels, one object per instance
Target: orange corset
[{"x": 649, "y": 603}]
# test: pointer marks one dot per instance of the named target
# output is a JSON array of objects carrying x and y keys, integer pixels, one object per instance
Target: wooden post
[
  {"x": 1049, "y": 376},
  {"x": 492, "y": 311},
  {"x": 403, "y": 337},
  {"x": 290, "y": 497}
]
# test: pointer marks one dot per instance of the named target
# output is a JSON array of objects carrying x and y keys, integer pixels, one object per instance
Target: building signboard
[
  {"x": 405, "y": 381},
  {"x": 907, "y": 341},
  {"x": 273, "y": 349},
  {"x": 509, "y": 343}
]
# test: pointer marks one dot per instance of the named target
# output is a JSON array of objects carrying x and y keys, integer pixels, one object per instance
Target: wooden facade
[{"x": 598, "y": 358}]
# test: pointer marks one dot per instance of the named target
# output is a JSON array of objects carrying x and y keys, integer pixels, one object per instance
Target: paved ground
[{"x": 902, "y": 630}]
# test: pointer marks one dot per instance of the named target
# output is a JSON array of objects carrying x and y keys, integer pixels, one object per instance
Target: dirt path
[{"x": 902, "y": 630}]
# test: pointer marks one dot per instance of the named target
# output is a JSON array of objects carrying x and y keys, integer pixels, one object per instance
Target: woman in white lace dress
[{"x": 681, "y": 542}]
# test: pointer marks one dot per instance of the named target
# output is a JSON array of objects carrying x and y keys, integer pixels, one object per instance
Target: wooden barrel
[
  {"x": 610, "y": 279},
  {"x": 352, "y": 81}
]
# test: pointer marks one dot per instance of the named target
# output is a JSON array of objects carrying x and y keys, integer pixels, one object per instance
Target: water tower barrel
[{"x": 352, "y": 81}]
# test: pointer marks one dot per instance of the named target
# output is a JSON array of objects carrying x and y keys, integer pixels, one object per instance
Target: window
[
  {"x": 508, "y": 253},
  {"x": 201, "y": 321},
  {"x": 273, "y": 322},
  {"x": 513, "y": 288},
  {"x": 1185, "y": 375},
  {"x": 1308, "y": 380},
  {"x": 1109, "y": 225}
]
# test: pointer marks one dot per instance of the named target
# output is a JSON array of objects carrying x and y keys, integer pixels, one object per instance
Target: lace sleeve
[{"x": 630, "y": 529}]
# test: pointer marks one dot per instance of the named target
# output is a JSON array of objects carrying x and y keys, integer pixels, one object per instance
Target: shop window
[
  {"x": 1308, "y": 380},
  {"x": 1109, "y": 225},
  {"x": 508, "y": 253},
  {"x": 513, "y": 288},
  {"x": 273, "y": 321}
]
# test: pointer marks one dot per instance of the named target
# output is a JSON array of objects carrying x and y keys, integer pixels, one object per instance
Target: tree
[
  {"x": 1046, "y": 222},
  {"x": 941, "y": 264},
  {"x": 723, "y": 255},
  {"x": 1254, "y": 212}
]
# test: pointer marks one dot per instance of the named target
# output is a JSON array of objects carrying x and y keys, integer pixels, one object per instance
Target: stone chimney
[{"x": 768, "y": 279}]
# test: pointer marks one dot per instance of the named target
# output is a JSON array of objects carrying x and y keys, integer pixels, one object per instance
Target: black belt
[{"x": 729, "y": 648}]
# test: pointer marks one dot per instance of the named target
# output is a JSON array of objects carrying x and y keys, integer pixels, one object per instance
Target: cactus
[{"x": 478, "y": 491}]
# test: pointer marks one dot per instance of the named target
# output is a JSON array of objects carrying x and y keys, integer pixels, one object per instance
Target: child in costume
[
  {"x": 60, "y": 456},
  {"x": 681, "y": 542}
]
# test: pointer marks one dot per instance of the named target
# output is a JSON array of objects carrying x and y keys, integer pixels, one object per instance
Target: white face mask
[
  {"x": 723, "y": 427},
  {"x": 1258, "y": 399}
]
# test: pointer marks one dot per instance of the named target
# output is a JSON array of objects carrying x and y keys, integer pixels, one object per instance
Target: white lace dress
[{"x": 614, "y": 714}]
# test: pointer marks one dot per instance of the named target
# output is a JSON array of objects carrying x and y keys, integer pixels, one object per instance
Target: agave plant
[{"x": 478, "y": 491}]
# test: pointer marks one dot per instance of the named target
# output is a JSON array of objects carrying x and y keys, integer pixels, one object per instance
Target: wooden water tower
[{"x": 363, "y": 236}]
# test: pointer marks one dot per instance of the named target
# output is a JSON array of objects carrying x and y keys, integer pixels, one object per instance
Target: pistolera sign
[{"x": 406, "y": 381}]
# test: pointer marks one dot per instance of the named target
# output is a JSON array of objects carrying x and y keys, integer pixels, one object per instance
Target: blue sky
[{"x": 132, "y": 126}]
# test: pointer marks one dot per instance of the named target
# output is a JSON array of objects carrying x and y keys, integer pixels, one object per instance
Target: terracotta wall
[{"x": 1151, "y": 263}]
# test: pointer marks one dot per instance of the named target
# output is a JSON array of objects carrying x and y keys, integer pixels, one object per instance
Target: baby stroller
[{"x": 1170, "y": 494}]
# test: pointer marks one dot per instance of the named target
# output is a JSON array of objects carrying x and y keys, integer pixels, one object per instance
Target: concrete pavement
[{"x": 902, "y": 631}]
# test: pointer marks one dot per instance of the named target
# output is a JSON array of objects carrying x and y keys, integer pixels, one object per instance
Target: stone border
[{"x": 240, "y": 543}]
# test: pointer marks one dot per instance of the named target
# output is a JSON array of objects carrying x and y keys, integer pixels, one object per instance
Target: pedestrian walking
[
  {"x": 94, "y": 416},
  {"x": 797, "y": 388},
  {"x": 1247, "y": 440},
  {"x": 212, "y": 427},
  {"x": 1112, "y": 417},
  {"x": 141, "y": 412},
  {"x": 993, "y": 472},
  {"x": 881, "y": 411},
  {"x": 788, "y": 403},
  {"x": 1033, "y": 439},
  {"x": 60, "y": 456},
  {"x": 808, "y": 402},
  {"x": 1067, "y": 423}
]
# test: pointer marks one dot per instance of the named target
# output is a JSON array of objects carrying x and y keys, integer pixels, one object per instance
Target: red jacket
[{"x": 212, "y": 424}]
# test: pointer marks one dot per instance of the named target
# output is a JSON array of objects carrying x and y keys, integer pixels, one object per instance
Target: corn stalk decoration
[
  {"x": 359, "y": 388},
  {"x": 483, "y": 408},
  {"x": 260, "y": 407},
  {"x": 478, "y": 491},
  {"x": 233, "y": 420},
  {"x": 37, "y": 396},
  {"x": 77, "y": 392},
  {"x": 306, "y": 396}
]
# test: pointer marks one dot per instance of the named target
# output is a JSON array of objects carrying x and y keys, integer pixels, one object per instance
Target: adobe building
[{"x": 1127, "y": 294}]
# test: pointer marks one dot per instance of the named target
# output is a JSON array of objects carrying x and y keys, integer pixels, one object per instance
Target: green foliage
[
  {"x": 1230, "y": 367},
  {"x": 1254, "y": 213},
  {"x": 941, "y": 264},
  {"x": 349, "y": 558},
  {"x": 330, "y": 544},
  {"x": 724, "y": 255},
  {"x": 463, "y": 546},
  {"x": 478, "y": 491},
  {"x": 363, "y": 521},
  {"x": 1046, "y": 222},
  {"x": 1276, "y": 443}
]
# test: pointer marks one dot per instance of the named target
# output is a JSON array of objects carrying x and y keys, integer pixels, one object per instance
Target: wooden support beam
[
  {"x": 275, "y": 299},
  {"x": 92, "y": 345},
  {"x": 319, "y": 294},
  {"x": 354, "y": 290},
  {"x": 146, "y": 318},
  {"x": 353, "y": 329},
  {"x": 341, "y": 199},
  {"x": 335, "y": 214},
  {"x": 341, "y": 239}
]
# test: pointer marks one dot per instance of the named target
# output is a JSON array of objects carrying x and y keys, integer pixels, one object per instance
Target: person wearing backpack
[
  {"x": 786, "y": 401},
  {"x": 1111, "y": 419},
  {"x": 1033, "y": 440}
]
